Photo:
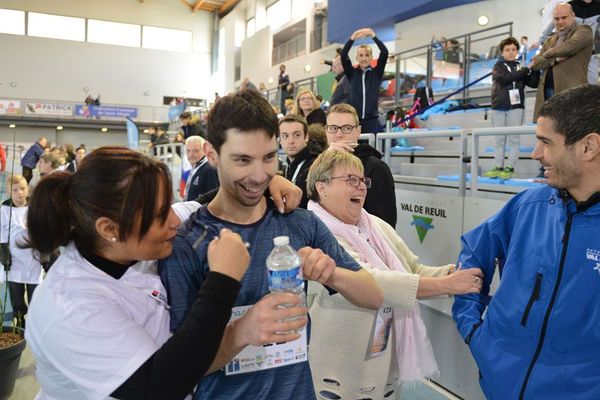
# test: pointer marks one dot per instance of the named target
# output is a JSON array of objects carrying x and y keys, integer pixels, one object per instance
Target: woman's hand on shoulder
[{"x": 463, "y": 281}]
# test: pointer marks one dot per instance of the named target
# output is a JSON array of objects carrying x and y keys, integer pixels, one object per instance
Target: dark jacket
[
  {"x": 303, "y": 160},
  {"x": 365, "y": 101},
  {"x": 204, "y": 180},
  {"x": 341, "y": 93},
  {"x": 504, "y": 74},
  {"x": 32, "y": 156},
  {"x": 381, "y": 198},
  {"x": 194, "y": 129}
]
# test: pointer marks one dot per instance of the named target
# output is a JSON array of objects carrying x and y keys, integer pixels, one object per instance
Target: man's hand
[
  {"x": 361, "y": 33},
  {"x": 316, "y": 265},
  {"x": 267, "y": 322},
  {"x": 284, "y": 194},
  {"x": 342, "y": 146}
]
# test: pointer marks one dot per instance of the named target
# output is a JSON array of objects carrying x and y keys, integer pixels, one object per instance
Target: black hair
[
  {"x": 246, "y": 110},
  {"x": 507, "y": 41},
  {"x": 574, "y": 112},
  {"x": 113, "y": 182}
]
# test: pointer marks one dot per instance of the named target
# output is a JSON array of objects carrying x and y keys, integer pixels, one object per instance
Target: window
[
  {"x": 12, "y": 21},
  {"x": 250, "y": 27},
  {"x": 56, "y": 27},
  {"x": 114, "y": 33},
  {"x": 166, "y": 39},
  {"x": 299, "y": 8},
  {"x": 278, "y": 13}
]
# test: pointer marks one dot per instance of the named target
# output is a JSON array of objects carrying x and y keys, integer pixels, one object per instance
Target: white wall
[
  {"x": 463, "y": 19},
  {"x": 59, "y": 70}
]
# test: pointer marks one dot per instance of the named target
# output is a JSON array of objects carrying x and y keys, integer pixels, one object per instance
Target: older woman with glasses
[
  {"x": 307, "y": 105},
  {"x": 356, "y": 352}
]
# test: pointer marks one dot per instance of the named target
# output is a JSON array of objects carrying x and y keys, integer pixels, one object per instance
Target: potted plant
[{"x": 12, "y": 344}]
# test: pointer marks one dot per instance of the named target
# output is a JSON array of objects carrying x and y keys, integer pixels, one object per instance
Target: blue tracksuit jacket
[{"x": 540, "y": 335}]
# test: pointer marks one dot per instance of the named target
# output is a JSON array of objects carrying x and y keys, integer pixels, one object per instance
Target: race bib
[{"x": 275, "y": 355}]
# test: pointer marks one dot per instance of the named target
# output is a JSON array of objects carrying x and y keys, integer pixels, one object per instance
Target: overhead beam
[
  {"x": 198, "y": 5},
  {"x": 227, "y": 5}
]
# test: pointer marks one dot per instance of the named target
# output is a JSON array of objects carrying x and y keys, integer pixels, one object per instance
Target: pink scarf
[{"x": 413, "y": 349}]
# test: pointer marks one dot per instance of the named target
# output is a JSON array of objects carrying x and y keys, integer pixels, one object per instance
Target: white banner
[
  {"x": 49, "y": 109},
  {"x": 12, "y": 107}
]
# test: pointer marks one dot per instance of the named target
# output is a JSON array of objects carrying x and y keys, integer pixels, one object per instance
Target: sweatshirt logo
[{"x": 594, "y": 255}]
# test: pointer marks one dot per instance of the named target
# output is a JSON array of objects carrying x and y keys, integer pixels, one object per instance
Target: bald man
[{"x": 564, "y": 57}]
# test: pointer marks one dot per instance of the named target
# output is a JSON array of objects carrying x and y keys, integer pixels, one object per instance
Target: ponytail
[{"x": 49, "y": 218}]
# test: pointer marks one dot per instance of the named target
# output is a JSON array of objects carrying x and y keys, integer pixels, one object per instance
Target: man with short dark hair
[
  {"x": 190, "y": 126},
  {"x": 541, "y": 331},
  {"x": 343, "y": 131},
  {"x": 564, "y": 57},
  {"x": 283, "y": 81},
  {"x": 293, "y": 135},
  {"x": 32, "y": 156},
  {"x": 242, "y": 146}
]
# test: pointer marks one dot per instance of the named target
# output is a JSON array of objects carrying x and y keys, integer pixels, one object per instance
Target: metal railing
[
  {"x": 384, "y": 145},
  {"x": 370, "y": 137},
  {"x": 499, "y": 131}
]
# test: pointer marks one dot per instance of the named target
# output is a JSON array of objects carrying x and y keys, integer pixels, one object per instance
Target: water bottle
[{"x": 284, "y": 269}]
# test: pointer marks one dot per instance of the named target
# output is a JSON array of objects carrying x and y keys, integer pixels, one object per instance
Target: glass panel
[
  {"x": 166, "y": 39},
  {"x": 12, "y": 21},
  {"x": 278, "y": 14},
  {"x": 56, "y": 27},
  {"x": 114, "y": 33}
]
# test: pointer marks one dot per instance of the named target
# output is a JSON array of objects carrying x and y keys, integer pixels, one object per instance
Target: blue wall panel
[{"x": 345, "y": 16}]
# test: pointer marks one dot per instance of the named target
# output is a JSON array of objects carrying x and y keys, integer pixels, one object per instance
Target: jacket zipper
[
  {"x": 538, "y": 350},
  {"x": 535, "y": 295},
  {"x": 364, "y": 94}
]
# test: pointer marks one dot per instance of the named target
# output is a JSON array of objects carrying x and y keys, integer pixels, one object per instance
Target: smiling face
[
  {"x": 561, "y": 163},
  {"x": 246, "y": 163},
  {"x": 341, "y": 199},
  {"x": 364, "y": 56},
  {"x": 194, "y": 152},
  {"x": 157, "y": 243},
  {"x": 293, "y": 138}
]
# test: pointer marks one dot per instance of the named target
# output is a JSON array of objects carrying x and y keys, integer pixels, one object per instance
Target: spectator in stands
[
  {"x": 341, "y": 91},
  {"x": 587, "y": 12},
  {"x": 100, "y": 321},
  {"x": 318, "y": 137},
  {"x": 283, "y": 83},
  {"x": 341, "y": 347},
  {"x": 246, "y": 84},
  {"x": 203, "y": 177},
  {"x": 158, "y": 136},
  {"x": 69, "y": 149},
  {"x": 262, "y": 89},
  {"x": 32, "y": 156},
  {"x": 343, "y": 131},
  {"x": 564, "y": 57},
  {"x": 307, "y": 105},
  {"x": 452, "y": 53},
  {"x": 89, "y": 100},
  {"x": 508, "y": 105},
  {"x": 523, "y": 50},
  {"x": 50, "y": 162},
  {"x": 365, "y": 81},
  {"x": 300, "y": 152},
  {"x": 79, "y": 155},
  {"x": 541, "y": 330},
  {"x": 191, "y": 126},
  {"x": 25, "y": 270}
]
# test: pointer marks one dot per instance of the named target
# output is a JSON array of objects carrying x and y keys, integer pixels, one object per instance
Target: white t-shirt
[
  {"x": 25, "y": 268},
  {"x": 90, "y": 332}
]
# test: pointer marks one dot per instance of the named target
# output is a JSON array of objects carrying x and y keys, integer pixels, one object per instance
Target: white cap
[{"x": 281, "y": 241}]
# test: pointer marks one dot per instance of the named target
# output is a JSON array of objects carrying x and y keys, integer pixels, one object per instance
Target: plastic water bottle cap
[{"x": 281, "y": 240}]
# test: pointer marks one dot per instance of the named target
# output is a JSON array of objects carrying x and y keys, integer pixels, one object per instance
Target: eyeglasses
[
  {"x": 346, "y": 129},
  {"x": 305, "y": 99},
  {"x": 354, "y": 180}
]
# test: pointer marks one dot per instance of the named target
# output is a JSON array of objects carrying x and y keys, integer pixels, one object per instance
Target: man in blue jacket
[
  {"x": 365, "y": 81},
  {"x": 540, "y": 337},
  {"x": 32, "y": 156}
]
